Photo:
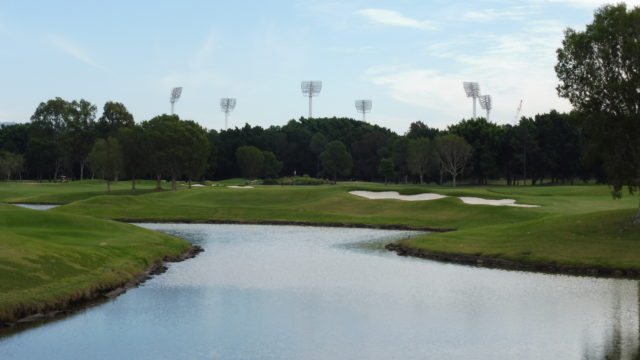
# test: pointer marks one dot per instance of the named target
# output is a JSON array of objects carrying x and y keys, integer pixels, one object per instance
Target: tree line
[{"x": 68, "y": 139}]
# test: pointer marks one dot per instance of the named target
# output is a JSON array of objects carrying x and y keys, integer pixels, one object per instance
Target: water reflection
[{"x": 319, "y": 293}]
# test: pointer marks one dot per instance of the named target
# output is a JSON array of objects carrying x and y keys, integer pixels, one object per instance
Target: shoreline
[
  {"x": 505, "y": 264},
  {"x": 286, "y": 222},
  {"x": 461, "y": 259},
  {"x": 100, "y": 295}
]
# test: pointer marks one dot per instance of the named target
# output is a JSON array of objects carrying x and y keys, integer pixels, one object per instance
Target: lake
[{"x": 288, "y": 292}]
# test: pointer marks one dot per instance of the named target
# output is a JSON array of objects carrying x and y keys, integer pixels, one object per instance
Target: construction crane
[{"x": 518, "y": 112}]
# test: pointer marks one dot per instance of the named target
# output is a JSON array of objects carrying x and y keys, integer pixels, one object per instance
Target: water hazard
[{"x": 285, "y": 292}]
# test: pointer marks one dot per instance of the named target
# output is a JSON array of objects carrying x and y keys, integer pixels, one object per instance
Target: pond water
[
  {"x": 286, "y": 292},
  {"x": 37, "y": 206}
]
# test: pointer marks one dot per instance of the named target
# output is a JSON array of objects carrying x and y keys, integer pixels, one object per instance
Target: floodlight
[
  {"x": 363, "y": 106},
  {"x": 227, "y": 105},
  {"x": 175, "y": 95},
  {"x": 485, "y": 103},
  {"x": 472, "y": 89},
  {"x": 310, "y": 89}
]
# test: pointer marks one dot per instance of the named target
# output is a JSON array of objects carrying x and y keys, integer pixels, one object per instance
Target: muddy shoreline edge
[
  {"x": 100, "y": 295},
  {"x": 505, "y": 264}
]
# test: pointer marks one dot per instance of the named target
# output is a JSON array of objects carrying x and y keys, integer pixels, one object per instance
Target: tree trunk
[
  {"x": 421, "y": 179},
  {"x": 108, "y": 186},
  {"x": 189, "y": 183},
  {"x": 158, "y": 185},
  {"x": 81, "y": 170},
  {"x": 454, "y": 180},
  {"x": 173, "y": 183},
  {"x": 133, "y": 183}
]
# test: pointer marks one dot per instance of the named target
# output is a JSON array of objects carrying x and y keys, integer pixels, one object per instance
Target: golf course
[{"x": 51, "y": 259}]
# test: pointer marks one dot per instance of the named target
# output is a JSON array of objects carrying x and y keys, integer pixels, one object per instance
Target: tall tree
[
  {"x": 420, "y": 157},
  {"x": 114, "y": 117},
  {"x": 105, "y": 159},
  {"x": 197, "y": 159},
  {"x": 48, "y": 128},
  {"x": 599, "y": 74},
  {"x": 271, "y": 166},
  {"x": 79, "y": 135},
  {"x": 336, "y": 160},
  {"x": 453, "y": 153},
  {"x": 316, "y": 145},
  {"x": 385, "y": 169},
  {"x": 250, "y": 161},
  {"x": 135, "y": 149}
]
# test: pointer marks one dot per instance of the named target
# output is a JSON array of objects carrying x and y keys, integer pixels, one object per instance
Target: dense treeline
[{"x": 66, "y": 139}]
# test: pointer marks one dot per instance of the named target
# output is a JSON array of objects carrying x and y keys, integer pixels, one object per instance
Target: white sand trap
[
  {"x": 197, "y": 185},
  {"x": 394, "y": 195},
  {"x": 501, "y": 202},
  {"x": 377, "y": 195},
  {"x": 240, "y": 187}
]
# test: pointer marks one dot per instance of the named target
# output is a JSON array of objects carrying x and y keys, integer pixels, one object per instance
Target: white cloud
[
  {"x": 490, "y": 15},
  {"x": 512, "y": 67},
  {"x": 73, "y": 50},
  {"x": 394, "y": 18},
  {"x": 205, "y": 52},
  {"x": 591, "y": 4}
]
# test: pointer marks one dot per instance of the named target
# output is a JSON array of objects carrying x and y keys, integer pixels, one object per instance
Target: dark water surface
[{"x": 285, "y": 292}]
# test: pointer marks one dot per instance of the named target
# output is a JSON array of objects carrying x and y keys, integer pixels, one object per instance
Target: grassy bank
[
  {"x": 573, "y": 225},
  {"x": 50, "y": 260}
]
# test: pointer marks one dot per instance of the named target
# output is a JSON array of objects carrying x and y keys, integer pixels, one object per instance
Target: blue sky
[{"x": 408, "y": 57}]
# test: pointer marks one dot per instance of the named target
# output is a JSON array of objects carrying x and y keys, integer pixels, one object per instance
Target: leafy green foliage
[{"x": 336, "y": 160}]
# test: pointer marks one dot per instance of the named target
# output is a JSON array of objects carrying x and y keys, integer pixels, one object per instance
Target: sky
[{"x": 409, "y": 57}]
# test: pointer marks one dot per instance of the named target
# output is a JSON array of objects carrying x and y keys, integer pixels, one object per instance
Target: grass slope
[
  {"x": 574, "y": 225},
  {"x": 48, "y": 260}
]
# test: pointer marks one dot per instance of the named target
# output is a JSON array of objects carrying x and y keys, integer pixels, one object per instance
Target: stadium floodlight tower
[
  {"x": 473, "y": 91},
  {"x": 227, "y": 105},
  {"x": 363, "y": 106},
  {"x": 311, "y": 89},
  {"x": 485, "y": 103},
  {"x": 175, "y": 95}
]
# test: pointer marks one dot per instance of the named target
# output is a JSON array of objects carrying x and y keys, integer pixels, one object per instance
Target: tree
[
  {"x": 453, "y": 153},
  {"x": 420, "y": 157},
  {"x": 316, "y": 145},
  {"x": 105, "y": 158},
  {"x": 599, "y": 74},
  {"x": 399, "y": 155},
  {"x": 336, "y": 160},
  {"x": 10, "y": 163},
  {"x": 175, "y": 147},
  {"x": 135, "y": 151},
  {"x": 48, "y": 127},
  {"x": 271, "y": 166},
  {"x": 79, "y": 134},
  {"x": 250, "y": 161},
  {"x": 197, "y": 160},
  {"x": 114, "y": 117},
  {"x": 385, "y": 168}
]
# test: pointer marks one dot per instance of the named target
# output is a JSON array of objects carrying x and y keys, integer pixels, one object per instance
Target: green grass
[
  {"x": 579, "y": 224},
  {"x": 63, "y": 193},
  {"x": 56, "y": 256},
  {"x": 48, "y": 260}
]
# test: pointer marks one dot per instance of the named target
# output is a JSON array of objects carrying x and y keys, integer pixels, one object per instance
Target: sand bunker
[
  {"x": 240, "y": 187},
  {"x": 377, "y": 195}
]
